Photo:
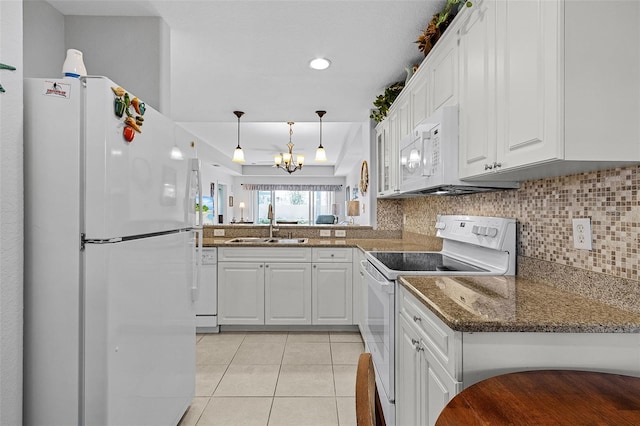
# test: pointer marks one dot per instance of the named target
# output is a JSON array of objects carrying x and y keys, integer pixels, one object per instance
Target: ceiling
[{"x": 253, "y": 56}]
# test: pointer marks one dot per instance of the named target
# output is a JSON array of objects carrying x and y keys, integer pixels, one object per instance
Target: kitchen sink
[
  {"x": 259, "y": 240},
  {"x": 288, "y": 240},
  {"x": 248, "y": 240}
]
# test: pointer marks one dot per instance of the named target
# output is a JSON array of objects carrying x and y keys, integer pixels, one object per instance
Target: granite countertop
[
  {"x": 515, "y": 304},
  {"x": 366, "y": 244}
]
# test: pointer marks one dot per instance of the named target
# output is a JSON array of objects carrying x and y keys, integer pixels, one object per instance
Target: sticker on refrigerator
[{"x": 56, "y": 89}]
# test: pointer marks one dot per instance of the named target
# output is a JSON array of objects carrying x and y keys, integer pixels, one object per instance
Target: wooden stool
[{"x": 547, "y": 397}]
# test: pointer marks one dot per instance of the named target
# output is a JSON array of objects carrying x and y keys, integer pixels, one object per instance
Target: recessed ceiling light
[{"x": 320, "y": 63}]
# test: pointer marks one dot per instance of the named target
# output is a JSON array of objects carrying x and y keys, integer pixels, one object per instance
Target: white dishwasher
[{"x": 207, "y": 303}]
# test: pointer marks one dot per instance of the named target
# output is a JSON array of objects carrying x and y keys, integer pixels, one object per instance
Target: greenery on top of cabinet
[
  {"x": 438, "y": 25},
  {"x": 383, "y": 102}
]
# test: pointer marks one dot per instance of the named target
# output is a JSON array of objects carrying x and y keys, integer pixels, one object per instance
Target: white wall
[
  {"x": 11, "y": 220},
  {"x": 44, "y": 49},
  {"x": 352, "y": 180},
  {"x": 135, "y": 52},
  {"x": 129, "y": 50}
]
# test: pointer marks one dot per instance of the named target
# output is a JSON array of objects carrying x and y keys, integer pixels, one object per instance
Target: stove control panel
[{"x": 497, "y": 233}]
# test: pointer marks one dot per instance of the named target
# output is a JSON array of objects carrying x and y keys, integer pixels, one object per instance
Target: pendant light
[
  {"x": 238, "y": 154},
  {"x": 321, "y": 155}
]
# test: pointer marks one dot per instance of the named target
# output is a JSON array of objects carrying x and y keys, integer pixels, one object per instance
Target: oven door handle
[{"x": 385, "y": 286}]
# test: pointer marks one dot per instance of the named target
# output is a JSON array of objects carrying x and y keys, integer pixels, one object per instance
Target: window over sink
[{"x": 294, "y": 207}]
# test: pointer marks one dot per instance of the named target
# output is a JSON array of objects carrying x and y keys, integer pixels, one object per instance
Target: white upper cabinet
[
  {"x": 384, "y": 160},
  {"x": 387, "y": 134},
  {"x": 419, "y": 100},
  {"x": 442, "y": 66},
  {"x": 528, "y": 82},
  {"x": 566, "y": 96},
  {"x": 477, "y": 146}
]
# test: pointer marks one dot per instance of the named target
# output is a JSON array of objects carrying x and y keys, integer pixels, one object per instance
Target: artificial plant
[
  {"x": 438, "y": 24},
  {"x": 383, "y": 102}
]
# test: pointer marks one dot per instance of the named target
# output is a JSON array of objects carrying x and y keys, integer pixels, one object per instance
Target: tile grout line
[{"x": 275, "y": 388}]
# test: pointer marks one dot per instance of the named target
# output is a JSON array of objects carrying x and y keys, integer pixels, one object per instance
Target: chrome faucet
[{"x": 270, "y": 217}]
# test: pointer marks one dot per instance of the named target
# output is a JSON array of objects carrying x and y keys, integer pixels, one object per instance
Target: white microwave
[{"x": 429, "y": 159}]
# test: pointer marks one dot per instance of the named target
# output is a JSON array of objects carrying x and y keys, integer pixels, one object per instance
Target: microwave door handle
[{"x": 427, "y": 155}]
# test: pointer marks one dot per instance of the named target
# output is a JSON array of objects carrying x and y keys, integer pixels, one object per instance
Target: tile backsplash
[{"x": 544, "y": 210}]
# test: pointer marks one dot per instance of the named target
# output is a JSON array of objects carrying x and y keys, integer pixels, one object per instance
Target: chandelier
[{"x": 286, "y": 161}]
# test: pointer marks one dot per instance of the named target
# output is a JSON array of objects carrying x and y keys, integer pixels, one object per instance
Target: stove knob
[
  {"x": 492, "y": 232},
  {"x": 483, "y": 230},
  {"x": 475, "y": 229}
]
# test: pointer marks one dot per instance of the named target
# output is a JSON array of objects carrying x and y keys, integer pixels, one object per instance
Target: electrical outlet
[
  {"x": 582, "y": 233},
  {"x": 218, "y": 232},
  {"x": 325, "y": 232},
  {"x": 341, "y": 233}
]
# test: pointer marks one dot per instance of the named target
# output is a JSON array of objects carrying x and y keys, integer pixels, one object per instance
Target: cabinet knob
[
  {"x": 332, "y": 254},
  {"x": 266, "y": 266},
  {"x": 261, "y": 266},
  {"x": 315, "y": 266},
  {"x": 416, "y": 318}
]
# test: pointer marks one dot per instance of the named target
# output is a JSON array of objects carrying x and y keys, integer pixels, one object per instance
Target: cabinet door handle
[
  {"x": 496, "y": 165},
  {"x": 415, "y": 342},
  {"x": 488, "y": 166},
  {"x": 416, "y": 318}
]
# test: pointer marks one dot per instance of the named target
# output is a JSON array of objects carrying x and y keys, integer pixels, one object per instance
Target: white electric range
[{"x": 472, "y": 245}]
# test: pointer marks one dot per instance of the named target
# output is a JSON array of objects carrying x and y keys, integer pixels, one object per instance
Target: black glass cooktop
[{"x": 423, "y": 262}]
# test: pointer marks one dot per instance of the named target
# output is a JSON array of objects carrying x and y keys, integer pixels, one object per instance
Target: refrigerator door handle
[
  {"x": 199, "y": 232},
  {"x": 197, "y": 265},
  {"x": 195, "y": 167}
]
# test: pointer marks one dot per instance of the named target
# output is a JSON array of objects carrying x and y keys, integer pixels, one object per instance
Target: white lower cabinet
[
  {"x": 332, "y": 286},
  {"x": 287, "y": 293},
  {"x": 241, "y": 293},
  {"x": 423, "y": 385},
  {"x": 256, "y": 286},
  {"x": 409, "y": 399},
  {"x": 332, "y": 293}
]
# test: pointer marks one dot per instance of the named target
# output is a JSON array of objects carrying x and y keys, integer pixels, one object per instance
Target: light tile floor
[{"x": 274, "y": 379}]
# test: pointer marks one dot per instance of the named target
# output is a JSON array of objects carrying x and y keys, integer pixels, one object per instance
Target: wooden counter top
[
  {"x": 547, "y": 397},
  {"x": 515, "y": 304}
]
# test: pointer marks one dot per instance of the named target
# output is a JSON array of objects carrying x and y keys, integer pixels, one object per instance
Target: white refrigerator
[{"x": 111, "y": 260}]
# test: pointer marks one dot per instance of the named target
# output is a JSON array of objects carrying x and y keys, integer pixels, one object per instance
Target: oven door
[{"x": 379, "y": 327}]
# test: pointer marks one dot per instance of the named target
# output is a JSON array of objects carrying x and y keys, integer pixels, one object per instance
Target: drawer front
[
  {"x": 264, "y": 254},
  {"x": 331, "y": 254},
  {"x": 443, "y": 342}
]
